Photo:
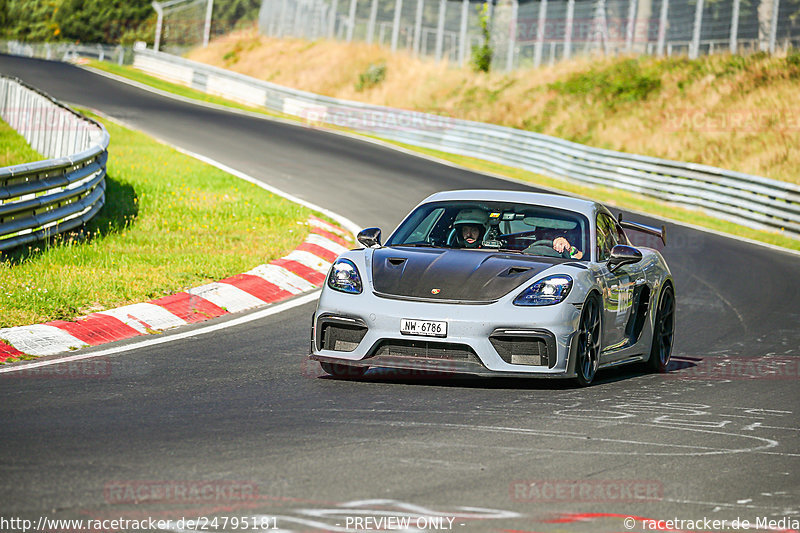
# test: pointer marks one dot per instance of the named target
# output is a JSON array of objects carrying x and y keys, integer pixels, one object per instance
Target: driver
[{"x": 470, "y": 225}]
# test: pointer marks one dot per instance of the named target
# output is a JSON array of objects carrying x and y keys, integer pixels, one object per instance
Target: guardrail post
[
  {"x": 662, "y": 26},
  {"x": 351, "y": 20},
  {"x": 373, "y": 16},
  {"x": 463, "y": 40},
  {"x": 540, "y": 28},
  {"x": 512, "y": 34},
  {"x": 332, "y": 22},
  {"x": 734, "y": 35},
  {"x": 631, "y": 25},
  {"x": 773, "y": 30},
  {"x": 298, "y": 18},
  {"x": 440, "y": 29},
  {"x": 159, "y": 24},
  {"x": 418, "y": 26},
  {"x": 600, "y": 25},
  {"x": 398, "y": 9},
  {"x": 207, "y": 24},
  {"x": 568, "y": 29},
  {"x": 694, "y": 48}
]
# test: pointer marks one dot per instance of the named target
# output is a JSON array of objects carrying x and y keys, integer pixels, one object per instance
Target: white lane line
[
  {"x": 258, "y": 315},
  {"x": 681, "y": 449},
  {"x": 40, "y": 339}
]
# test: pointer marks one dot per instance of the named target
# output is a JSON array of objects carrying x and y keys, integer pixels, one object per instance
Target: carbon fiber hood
[{"x": 467, "y": 275}]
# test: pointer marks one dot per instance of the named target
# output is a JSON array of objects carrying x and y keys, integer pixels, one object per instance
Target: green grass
[
  {"x": 14, "y": 149},
  {"x": 170, "y": 223},
  {"x": 628, "y": 80}
]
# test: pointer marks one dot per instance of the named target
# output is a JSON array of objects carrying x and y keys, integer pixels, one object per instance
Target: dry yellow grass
[{"x": 740, "y": 113}]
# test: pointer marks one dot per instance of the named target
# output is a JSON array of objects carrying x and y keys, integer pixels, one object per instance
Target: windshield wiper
[{"x": 417, "y": 245}]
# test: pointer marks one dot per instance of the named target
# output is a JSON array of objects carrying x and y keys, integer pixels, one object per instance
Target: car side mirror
[
  {"x": 623, "y": 254},
  {"x": 370, "y": 237}
]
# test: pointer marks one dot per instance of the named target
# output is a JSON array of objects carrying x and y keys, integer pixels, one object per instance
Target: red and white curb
[{"x": 303, "y": 270}]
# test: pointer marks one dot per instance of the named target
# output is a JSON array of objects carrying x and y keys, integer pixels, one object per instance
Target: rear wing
[{"x": 661, "y": 232}]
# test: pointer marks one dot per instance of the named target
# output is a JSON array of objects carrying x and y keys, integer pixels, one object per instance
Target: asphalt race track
[{"x": 716, "y": 438}]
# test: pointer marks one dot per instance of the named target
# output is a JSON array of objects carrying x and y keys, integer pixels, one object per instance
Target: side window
[
  {"x": 606, "y": 236},
  {"x": 621, "y": 237}
]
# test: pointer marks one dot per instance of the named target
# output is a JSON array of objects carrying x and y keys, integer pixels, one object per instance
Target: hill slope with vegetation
[{"x": 735, "y": 112}]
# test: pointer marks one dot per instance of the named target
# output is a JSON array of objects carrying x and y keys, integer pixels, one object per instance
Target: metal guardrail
[
  {"x": 69, "y": 51},
  {"x": 41, "y": 199},
  {"x": 749, "y": 200}
]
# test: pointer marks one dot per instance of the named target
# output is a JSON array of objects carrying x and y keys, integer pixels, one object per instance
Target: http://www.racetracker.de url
[{"x": 200, "y": 523}]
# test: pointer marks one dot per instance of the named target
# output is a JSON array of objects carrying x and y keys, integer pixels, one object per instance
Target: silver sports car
[{"x": 498, "y": 283}]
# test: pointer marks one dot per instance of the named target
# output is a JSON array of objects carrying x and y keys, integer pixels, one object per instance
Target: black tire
[
  {"x": 344, "y": 371},
  {"x": 663, "y": 332},
  {"x": 589, "y": 338}
]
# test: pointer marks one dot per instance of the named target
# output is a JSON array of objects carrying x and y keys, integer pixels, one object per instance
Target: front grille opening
[
  {"x": 341, "y": 337},
  {"x": 445, "y": 351},
  {"x": 522, "y": 350}
]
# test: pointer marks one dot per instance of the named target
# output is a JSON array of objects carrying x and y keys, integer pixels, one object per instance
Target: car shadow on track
[{"x": 392, "y": 376}]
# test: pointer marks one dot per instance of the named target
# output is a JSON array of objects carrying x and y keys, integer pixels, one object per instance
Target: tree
[{"x": 101, "y": 21}]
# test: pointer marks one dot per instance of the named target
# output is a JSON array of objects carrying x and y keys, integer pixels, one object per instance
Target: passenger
[{"x": 562, "y": 245}]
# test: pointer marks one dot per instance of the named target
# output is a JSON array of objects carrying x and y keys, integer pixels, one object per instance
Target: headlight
[
  {"x": 548, "y": 291},
  {"x": 344, "y": 277}
]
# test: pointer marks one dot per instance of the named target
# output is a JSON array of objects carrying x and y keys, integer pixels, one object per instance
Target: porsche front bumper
[{"x": 364, "y": 330}]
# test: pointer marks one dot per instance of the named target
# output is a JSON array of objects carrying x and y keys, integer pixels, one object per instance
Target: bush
[
  {"x": 371, "y": 77},
  {"x": 625, "y": 81}
]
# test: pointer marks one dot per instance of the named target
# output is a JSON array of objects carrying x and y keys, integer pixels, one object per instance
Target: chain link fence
[{"x": 532, "y": 33}]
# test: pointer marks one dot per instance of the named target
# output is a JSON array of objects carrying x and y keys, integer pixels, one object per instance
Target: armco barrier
[
  {"x": 68, "y": 51},
  {"x": 749, "y": 200},
  {"x": 47, "y": 197}
]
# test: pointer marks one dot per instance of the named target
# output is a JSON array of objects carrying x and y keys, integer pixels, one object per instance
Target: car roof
[{"x": 586, "y": 207}]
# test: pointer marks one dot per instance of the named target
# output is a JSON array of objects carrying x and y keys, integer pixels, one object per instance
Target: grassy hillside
[{"x": 736, "y": 112}]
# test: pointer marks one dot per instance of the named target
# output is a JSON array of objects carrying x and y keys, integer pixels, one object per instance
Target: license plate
[{"x": 426, "y": 328}]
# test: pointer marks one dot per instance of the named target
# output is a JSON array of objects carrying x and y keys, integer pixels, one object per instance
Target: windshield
[{"x": 502, "y": 226}]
